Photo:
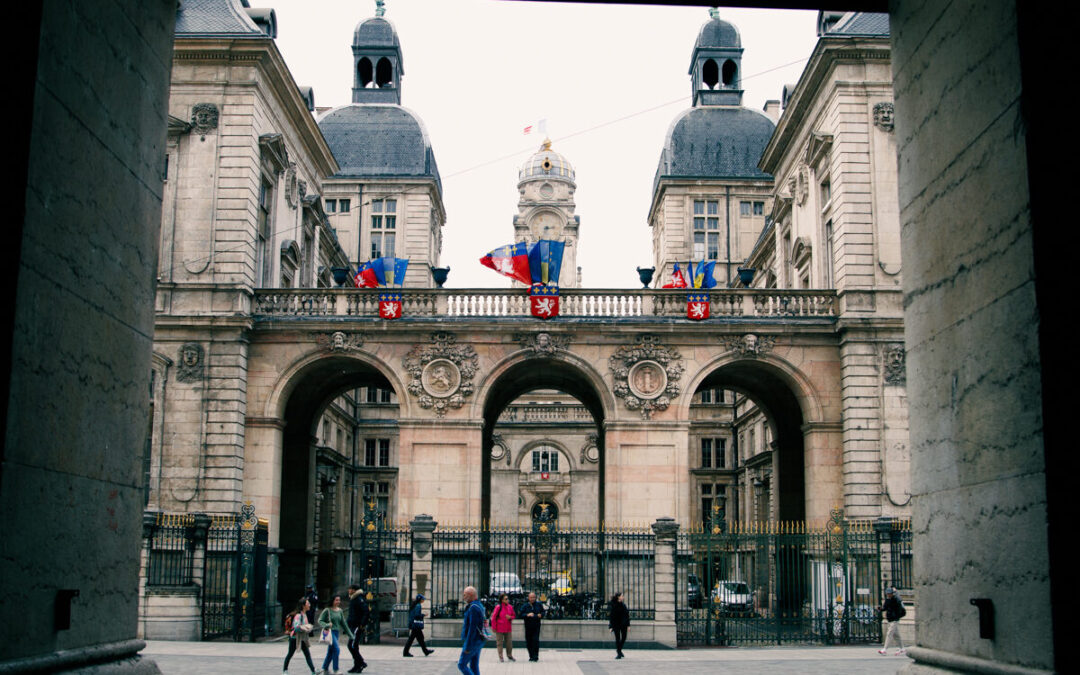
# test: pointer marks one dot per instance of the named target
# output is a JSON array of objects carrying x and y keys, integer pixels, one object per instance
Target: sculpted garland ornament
[
  {"x": 646, "y": 375},
  {"x": 441, "y": 373}
]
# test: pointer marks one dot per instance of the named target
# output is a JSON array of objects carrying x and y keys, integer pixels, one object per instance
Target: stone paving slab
[{"x": 230, "y": 658}]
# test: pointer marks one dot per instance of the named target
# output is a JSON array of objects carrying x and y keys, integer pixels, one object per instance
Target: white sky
[{"x": 609, "y": 79}]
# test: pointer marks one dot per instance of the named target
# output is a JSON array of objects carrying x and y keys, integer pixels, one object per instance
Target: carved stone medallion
[
  {"x": 204, "y": 118},
  {"x": 749, "y": 345},
  {"x": 894, "y": 364},
  {"x": 499, "y": 450},
  {"x": 542, "y": 344},
  {"x": 590, "y": 452},
  {"x": 291, "y": 185},
  {"x": 440, "y": 378},
  {"x": 883, "y": 115},
  {"x": 339, "y": 341},
  {"x": 646, "y": 375},
  {"x": 190, "y": 365},
  {"x": 442, "y": 373}
]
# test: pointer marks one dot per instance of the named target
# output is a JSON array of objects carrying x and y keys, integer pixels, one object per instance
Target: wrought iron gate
[
  {"x": 777, "y": 583},
  {"x": 384, "y": 566},
  {"x": 234, "y": 577}
]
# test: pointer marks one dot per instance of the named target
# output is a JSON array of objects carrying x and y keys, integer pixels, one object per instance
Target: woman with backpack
[
  {"x": 502, "y": 618},
  {"x": 299, "y": 630}
]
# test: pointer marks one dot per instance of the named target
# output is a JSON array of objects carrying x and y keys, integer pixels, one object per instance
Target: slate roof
[
  {"x": 718, "y": 33},
  {"x": 375, "y": 32},
  {"x": 215, "y": 17},
  {"x": 715, "y": 142},
  {"x": 378, "y": 140},
  {"x": 862, "y": 23}
]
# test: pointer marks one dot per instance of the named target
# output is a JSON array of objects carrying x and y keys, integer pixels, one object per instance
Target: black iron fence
[
  {"x": 382, "y": 562},
  {"x": 573, "y": 571},
  {"x": 172, "y": 550},
  {"x": 899, "y": 535},
  {"x": 777, "y": 583}
]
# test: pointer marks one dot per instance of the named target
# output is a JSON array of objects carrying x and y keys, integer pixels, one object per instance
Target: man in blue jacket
[{"x": 472, "y": 633}]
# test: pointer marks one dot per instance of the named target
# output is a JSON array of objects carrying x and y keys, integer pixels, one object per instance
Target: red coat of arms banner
[
  {"x": 390, "y": 305},
  {"x": 544, "y": 301},
  {"x": 697, "y": 306}
]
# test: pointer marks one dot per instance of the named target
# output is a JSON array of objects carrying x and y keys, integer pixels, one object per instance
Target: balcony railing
[
  {"x": 545, "y": 413},
  {"x": 575, "y": 303}
]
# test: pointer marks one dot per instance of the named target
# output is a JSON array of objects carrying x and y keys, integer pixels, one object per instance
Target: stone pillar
[
  {"x": 666, "y": 531},
  {"x": 149, "y": 518},
  {"x": 423, "y": 528},
  {"x": 200, "y": 530}
]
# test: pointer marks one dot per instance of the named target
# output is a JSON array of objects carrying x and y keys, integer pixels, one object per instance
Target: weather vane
[{"x": 380, "y": 7}]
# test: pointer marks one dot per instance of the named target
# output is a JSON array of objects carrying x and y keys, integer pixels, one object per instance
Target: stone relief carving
[
  {"x": 750, "y": 345},
  {"x": 190, "y": 364},
  {"x": 894, "y": 364},
  {"x": 542, "y": 344},
  {"x": 442, "y": 373},
  {"x": 646, "y": 375},
  {"x": 499, "y": 450},
  {"x": 339, "y": 341},
  {"x": 301, "y": 189},
  {"x": 802, "y": 185},
  {"x": 204, "y": 118},
  {"x": 590, "y": 452},
  {"x": 291, "y": 185},
  {"x": 883, "y": 115}
]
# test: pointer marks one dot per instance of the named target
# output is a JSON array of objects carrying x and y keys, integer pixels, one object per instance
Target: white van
[{"x": 505, "y": 582}]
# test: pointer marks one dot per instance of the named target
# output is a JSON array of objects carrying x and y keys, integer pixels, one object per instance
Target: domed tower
[
  {"x": 386, "y": 197},
  {"x": 546, "y": 208},
  {"x": 709, "y": 196}
]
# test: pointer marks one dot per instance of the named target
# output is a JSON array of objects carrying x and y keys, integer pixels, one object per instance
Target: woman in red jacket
[{"x": 502, "y": 618}]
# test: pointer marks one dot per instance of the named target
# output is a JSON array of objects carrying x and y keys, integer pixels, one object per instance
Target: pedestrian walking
[
  {"x": 416, "y": 626},
  {"x": 472, "y": 633},
  {"x": 532, "y": 612},
  {"x": 502, "y": 622},
  {"x": 299, "y": 634},
  {"x": 894, "y": 611},
  {"x": 618, "y": 622},
  {"x": 332, "y": 618},
  {"x": 359, "y": 613}
]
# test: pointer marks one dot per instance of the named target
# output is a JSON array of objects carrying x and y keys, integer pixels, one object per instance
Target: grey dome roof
[
  {"x": 715, "y": 142},
  {"x": 375, "y": 139},
  {"x": 718, "y": 33},
  {"x": 546, "y": 163},
  {"x": 375, "y": 32},
  {"x": 215, "y": 17}
]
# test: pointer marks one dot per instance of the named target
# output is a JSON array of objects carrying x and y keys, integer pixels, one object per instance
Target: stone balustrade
[
  {"x": 574, "y": 303},
  {"x": 545, "y": 413}
]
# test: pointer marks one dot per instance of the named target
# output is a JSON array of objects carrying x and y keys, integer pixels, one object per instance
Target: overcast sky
[{"x": 608, "y": 79}]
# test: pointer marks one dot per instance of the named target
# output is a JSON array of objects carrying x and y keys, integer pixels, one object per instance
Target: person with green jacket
[{"x": 333, "y": 618}]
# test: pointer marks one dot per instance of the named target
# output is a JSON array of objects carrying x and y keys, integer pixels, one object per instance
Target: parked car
[
  {"x": 505, "y": 582},
  {"x": 693, "y": 591},
  {"x": 733, "y": 596}
]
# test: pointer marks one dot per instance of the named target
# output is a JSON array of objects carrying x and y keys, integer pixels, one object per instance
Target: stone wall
[
  {"x": 71, "y": 488},
  {"x": 972, "y": 335}
]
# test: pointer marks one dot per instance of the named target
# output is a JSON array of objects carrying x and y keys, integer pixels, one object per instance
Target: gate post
[
  {"x": 423, "y": 528},
  {"x": 666, "y": 531},
  {"x": 198, "y": 561}
]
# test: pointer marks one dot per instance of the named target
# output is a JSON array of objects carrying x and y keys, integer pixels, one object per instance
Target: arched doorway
[
  {"x": 339, "y": 449},
  {"x": 544, "y": 375}
]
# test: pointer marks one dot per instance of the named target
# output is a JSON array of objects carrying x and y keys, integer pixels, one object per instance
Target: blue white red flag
[{"x": 511, "y": 260}]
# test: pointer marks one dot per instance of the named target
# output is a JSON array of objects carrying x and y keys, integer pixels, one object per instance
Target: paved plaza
[{"x": 182, "y": 658}]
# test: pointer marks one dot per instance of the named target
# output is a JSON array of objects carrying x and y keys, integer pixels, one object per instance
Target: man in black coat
[
  {"x": 894, "y": 611},
  {"x": 359, "y": 613},
  {"x": 532, "y": 612}
]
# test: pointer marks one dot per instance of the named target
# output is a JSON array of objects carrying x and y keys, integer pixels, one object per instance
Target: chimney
[{"x": 772, "y": 110}]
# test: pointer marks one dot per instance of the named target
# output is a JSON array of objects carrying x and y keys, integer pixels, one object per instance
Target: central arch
[{"x": 521, "y": 376}]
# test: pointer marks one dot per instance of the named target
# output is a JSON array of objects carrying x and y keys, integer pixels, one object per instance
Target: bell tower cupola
[
  {"x": 716, "y": 64},
  {"x": 377, "y": 64}
]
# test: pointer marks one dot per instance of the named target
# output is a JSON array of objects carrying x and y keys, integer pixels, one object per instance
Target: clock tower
[{"x": 546, "y": 207}]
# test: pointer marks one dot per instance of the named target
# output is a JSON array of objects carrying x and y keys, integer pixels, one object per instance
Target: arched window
[
  {"x": 710, "y": 74},
  {"x": 545, "y": 460},
  {"x": 364, "y": 70},
  {"x": 730, "y": 73},
  {"x": 384, "y": 73}
]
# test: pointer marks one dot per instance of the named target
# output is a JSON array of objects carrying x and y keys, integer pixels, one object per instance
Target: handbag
[{"x": 325, "y": 636}]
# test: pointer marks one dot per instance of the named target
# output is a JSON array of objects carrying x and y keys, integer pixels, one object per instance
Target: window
[
  {"x": 712, "y": 395},
  {"x": 712, "y": 502},
  {"x": 262, "y": 241},
  {"x": 376, "y": 452},
  {"x": 330, "y": 206},
  {"x": 383, "y": 227},
  {"x": 370, "y": 445},
  {"x": 384, "y": 452},
  {"x": 829, "y": 271},
  {"x": 545, "y": 460},
  {"x": 706, "y": 229},
  {"x": 379, "y": 493},
  {"x": 826, "y": 192},
  {"x": 325, "y": 431},
  {"x": 378, "y": 395},
  {"x": 340, "y": 440},
  {"x": 343, "y": 205},
  {"x": 751, "y": 209},
  {"x": 759, "y": 208},
  {"x": 712, "y": 453}
]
